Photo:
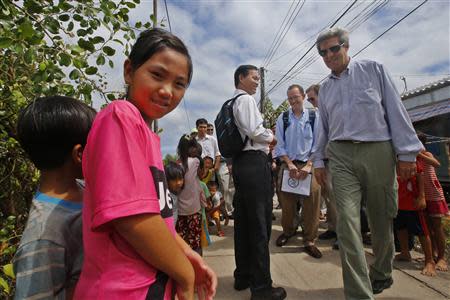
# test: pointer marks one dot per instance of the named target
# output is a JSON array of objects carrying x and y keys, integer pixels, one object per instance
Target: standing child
[
  {"x": 131, "y": 248},
  {"x": 175, "y": 182},
  {"x": 189, "y": 224},
  {"x": 436, "y": 205},
  {"x": 53, "y": 132},
  {"x": 411, "y": 218},
  {"x": 215, "y": 205}
]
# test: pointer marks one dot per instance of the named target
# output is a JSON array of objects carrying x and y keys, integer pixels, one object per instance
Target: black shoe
[
  {"x": 276, "y": 293},
  {"x": 336, "y": 245},
  {"x": 380, "y": 285},
  {"x": 282, "y": 240},
  {"x": 327, "y": 235},
  {"x": 313, "y": 251},
  {"x": 366, "y": 239},
  {"x": 241, "y": 285}
]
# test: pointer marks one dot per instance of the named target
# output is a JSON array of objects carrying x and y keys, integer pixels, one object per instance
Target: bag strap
[
  {"x": 285, "y": 123},
  {"x": 232, "y": 103},
  {"x": 312, "y": 118}
]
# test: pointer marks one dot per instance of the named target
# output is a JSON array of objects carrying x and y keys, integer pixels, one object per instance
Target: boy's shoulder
[{"x": 54, "y": 220}]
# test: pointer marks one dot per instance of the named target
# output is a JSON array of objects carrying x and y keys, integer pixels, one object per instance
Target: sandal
[
  {"x": 221, "y": 234},
  {"x": 282, "y": 240}
]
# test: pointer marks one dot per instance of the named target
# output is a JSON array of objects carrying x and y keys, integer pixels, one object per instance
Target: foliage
[
  {"x": 50, "y": 47},
  {"x": 9, "y": 238},
  {"x": 271, "y": 114},
  {"x": 169, "y": 157}
]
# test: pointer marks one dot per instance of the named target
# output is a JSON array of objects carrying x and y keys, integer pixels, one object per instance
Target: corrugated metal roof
[{"x": 426, "y": 88}]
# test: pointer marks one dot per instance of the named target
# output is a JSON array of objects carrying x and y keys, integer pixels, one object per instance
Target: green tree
[
  {"x": 169, "y": 157},
  {"x": 49, "y": 47},
  {"x": 271, "y": 114}
]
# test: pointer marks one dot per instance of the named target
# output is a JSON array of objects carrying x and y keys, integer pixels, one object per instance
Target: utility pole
[
  {"x": 155, "y": 24},
  {"x": 263, "y": 93}
]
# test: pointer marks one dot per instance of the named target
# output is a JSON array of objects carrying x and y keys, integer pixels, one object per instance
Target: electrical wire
[{"x": 167, "y": 13}]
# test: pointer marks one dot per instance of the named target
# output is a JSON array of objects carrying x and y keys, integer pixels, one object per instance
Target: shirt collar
[
  {"x": 239, "y": 91},
  {"x": 348, "y": 70}
]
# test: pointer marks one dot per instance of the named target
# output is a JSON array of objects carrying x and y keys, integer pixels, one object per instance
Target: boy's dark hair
[
  {"x": 242, "y": 70},
  {"x": 315, "y": 88},
  {"x": 300, "y": 89},
  {"x": 153, "y": 41},
  {"x": 422, "y": 137},
  {"x": 211, "y": 184},
  {"x": 49, "y": 128},
  {"x": 201, "y": 121},
  {"x": 173, "y": 171}
]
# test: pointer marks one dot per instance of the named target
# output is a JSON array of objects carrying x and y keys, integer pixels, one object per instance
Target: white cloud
[{"x": 223, "y": 34}]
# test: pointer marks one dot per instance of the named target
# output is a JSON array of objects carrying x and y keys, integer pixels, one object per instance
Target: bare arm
[
  {"x": 420, "y": 201},
  {"x": 150, "y": 237}
]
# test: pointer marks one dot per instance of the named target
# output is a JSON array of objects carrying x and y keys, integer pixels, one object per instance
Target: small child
[
  {"x": 411, "y": 218},
  {"x": 53, "y": 132},
  {"x": 214, "y": 206},
  {"x": 436, "y": 205},
  {"x": 175, "y": 181}
]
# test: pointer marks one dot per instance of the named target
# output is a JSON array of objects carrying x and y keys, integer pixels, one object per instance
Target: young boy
[
  {"x": 411, "y": 219},
  {"x": 214, "y": 206},
  {"x": 53, "y": 132},
  {"x": 175, "y": 181}
]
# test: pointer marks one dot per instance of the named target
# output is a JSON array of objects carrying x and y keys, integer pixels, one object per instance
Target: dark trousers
[{"x": 252, "y": 219}]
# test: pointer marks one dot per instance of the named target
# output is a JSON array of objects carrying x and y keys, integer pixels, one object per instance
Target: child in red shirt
[{"x": 411, "y": 218}]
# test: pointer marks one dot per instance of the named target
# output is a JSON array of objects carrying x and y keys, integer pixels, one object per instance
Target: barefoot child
[
  {"x": 436, "y": 205},
  {"x": 411, "y": 218},
  {"x": 215, "y": 204},
  {"x": 131, "y": 248},
  {"x": 53, "y": 131}
]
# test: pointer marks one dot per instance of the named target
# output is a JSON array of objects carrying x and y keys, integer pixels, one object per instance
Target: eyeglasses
[
  {"x": 333, "y": 49},
  {"x": 294, "y": 97},
  {"x": 209, "y": 130}
]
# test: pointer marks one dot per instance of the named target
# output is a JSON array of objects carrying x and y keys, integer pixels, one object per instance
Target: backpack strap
[
  {"x": 312, "y": 118},
  {"x": 232, "y": 103},
  {"x": 285, "y": 123}
]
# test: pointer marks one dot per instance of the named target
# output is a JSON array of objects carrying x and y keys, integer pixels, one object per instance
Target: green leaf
[
  {"x": 70, "y": 26},
  {"x": 75, "y": 74},
  {"x": 64, "y": 59},
  {"x": 138, "y": 24},
  {"x": 77, "y": 17},
  {"x": 5, "y": 42},
  {"x": 4, "y": 285},
  {"x": 91, "y": 70},
  {"x": 28, "y": 56},
  {"x": 81, "y": 32},
  {"x": 111, "y": 64},
  {"x": 64, "y": 17},
  {"x": 111, "y": 97},
  {"x": 98, "y": 39},
  {"x": 8, "y": 270},
  {"x": 100, "y": 60},
  {"x": 26, "y": 28},
  {"x": 86, "y": 45},
  {"x": 130, "y": 4},
  {"x": 42, "y": 66},
  {"x": 109, "y": 51}
]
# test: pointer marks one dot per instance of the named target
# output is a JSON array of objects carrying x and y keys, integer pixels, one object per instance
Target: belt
[
  {"x": 259, "y": 152},
  {"x": 296, "y": 161},
  {"x": 352, "y": 141}
]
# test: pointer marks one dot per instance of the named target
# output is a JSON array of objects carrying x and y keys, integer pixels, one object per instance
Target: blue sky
[{"x": 221, "y": 35}]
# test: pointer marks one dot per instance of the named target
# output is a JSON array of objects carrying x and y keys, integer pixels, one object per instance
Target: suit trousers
[
  {"x": 252, "y": 219},
  {"x": 364, "y": 171},
  {"x": 310, "y": 208}
]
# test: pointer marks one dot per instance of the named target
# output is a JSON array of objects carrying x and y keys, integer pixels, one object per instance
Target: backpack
[
  {"x": 228, "y": 137},
  {"x": 312, "y": 119}
]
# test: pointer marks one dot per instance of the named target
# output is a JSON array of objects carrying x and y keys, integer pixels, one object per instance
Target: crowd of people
[{"x": 135, "y": 229}]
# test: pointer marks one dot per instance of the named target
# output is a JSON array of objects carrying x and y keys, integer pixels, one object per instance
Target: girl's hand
[
  {"x": 205, "y": 278},
  {"x": 420, "y": 203},
  {"x": 185, "y": 293}
]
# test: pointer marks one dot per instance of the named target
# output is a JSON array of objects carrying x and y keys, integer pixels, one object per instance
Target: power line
[
  {"x": 286, "y": 31},
  {"x": 168, "y": 18},
  {"x": 310, "y": 48},
  {"x": 384, "y": 32}
]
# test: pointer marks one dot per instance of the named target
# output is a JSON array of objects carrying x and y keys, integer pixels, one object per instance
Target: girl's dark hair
[
  {"x": 185, "y": 144},
  {"x": 173, "y": 171},
  {"x": 49, "y": 127},
  {"x": 153, "y": 41}
]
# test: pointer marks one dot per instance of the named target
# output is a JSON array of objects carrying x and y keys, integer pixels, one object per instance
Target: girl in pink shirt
[{"x": 131, "y": 248}]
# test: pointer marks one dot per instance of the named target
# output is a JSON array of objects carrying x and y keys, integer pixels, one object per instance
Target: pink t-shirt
[{"x": 123, "y": 169}]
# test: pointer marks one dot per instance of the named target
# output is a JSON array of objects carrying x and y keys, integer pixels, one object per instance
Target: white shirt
[
  {"x": 250, "y": 123},
  {"x": 209, "y": 146}
]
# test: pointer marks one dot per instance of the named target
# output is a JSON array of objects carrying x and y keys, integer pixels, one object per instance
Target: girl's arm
[
  {"x": 429, "y": 159},
  {"x": 149, "y": 236},
  {"x": 420, "y": 202},
  {"x": 205, "y": 278}
]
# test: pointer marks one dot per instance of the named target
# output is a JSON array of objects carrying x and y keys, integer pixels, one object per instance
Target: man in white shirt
[
  {"x": 208, "y": 143},
  {"x": 254, "y": 190}
]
